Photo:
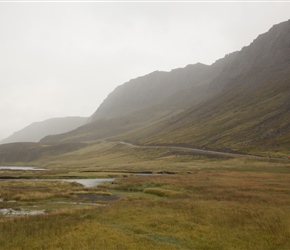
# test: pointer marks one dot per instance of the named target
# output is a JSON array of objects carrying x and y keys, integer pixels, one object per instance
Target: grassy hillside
[
  {"x": 242, "y": 119},
  {"x": 30, "y": 151},
  {"x": 240, "y": 103},
  {"x": 250, "y": 110}
]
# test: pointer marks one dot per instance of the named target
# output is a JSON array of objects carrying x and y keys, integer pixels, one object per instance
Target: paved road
[{"x": 203, "y": 151}]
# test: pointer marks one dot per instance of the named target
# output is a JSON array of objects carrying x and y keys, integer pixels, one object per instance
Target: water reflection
[{"x": 88, "y": 183}]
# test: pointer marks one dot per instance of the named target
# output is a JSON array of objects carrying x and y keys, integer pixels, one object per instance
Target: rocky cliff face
[{"x": 268, "y": 54}]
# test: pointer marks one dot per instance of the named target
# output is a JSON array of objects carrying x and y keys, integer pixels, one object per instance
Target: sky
[{"x": 63, "y": 58}]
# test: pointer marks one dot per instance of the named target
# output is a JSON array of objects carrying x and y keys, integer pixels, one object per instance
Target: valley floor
[{"x": 189, "y": 202}]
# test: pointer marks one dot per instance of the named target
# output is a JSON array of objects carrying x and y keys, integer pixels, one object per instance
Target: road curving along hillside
[{"x": 204, "y": 151}]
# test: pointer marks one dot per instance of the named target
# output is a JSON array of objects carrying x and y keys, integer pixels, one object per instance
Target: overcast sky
[{"x": 63, "y": 58}]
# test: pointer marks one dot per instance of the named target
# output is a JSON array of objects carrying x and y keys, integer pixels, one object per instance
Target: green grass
[
  {"x": 246, "y": 118},
  {"x": 111, "y": 159}
]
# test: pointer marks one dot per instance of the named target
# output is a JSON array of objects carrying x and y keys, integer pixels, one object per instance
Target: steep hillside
[
  {"x": 239, "y": 103},
  {"x": 37, "y": 130},
  {"x": 166, "y": 88},
  {"x": 145, "y": 100},
  {"x": 251, "y": 111}
]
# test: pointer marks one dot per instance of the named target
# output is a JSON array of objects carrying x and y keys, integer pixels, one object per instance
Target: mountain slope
[
  {"x": 143, "y": 101},
  {"x": 37, "y": 130},
  {"x": 236, "y": 103},
  {"x": 251, "y": 110},
  {"x": 239, "y": 103},
  {"x": 154, "y": 89}
]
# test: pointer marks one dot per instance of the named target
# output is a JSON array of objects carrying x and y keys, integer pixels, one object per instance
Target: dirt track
[{"x": 206, "y": 152}]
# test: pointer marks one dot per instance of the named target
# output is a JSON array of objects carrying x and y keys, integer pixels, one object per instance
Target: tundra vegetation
[{"x": 190, "y": 201}]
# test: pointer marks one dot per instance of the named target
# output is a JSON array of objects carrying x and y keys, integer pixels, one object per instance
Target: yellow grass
[{"x": 209, "y": 209}]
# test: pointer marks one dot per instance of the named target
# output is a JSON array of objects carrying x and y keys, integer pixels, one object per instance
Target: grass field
[{"x": 205, "y": 203}]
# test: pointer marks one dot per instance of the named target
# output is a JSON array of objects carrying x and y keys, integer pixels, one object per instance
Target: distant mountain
[{"x": 37, "y": 130}]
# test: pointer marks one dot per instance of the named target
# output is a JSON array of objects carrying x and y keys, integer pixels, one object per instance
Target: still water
[
  {"x": 20, "y": 168},
  {"x": 85, "y": 182},
  {"x": 88, "y": 182}
]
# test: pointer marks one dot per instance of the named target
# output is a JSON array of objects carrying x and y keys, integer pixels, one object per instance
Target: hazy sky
[{"x": 63, "y": 58}]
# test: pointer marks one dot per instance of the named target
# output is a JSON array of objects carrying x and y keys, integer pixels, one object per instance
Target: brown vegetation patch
[{"x": 98, "y": 197}]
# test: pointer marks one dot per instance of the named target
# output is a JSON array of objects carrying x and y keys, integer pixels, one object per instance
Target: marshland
[{"x": 197, "y": 202}]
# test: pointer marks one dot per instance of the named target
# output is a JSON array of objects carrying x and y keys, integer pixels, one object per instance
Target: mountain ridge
[
  {"x": 240, "y": 103},
  {"x": 37, "y": 130},
  {"x": 262, "y": 89},
  {"x": 233, "y": 90},
  {"x": 148, "y": 90}
]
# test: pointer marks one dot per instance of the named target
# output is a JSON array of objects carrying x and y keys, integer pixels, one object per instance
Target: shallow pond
[
  {"x": 20, "y": 168},
  {"x": 88, "y": 183}
]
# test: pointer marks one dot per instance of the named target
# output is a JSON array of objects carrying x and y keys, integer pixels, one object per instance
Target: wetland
[{"x": 156, "y": 201}]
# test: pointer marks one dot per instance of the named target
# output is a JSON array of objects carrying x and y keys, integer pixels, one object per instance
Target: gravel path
[{"x": 205, "y": 152}]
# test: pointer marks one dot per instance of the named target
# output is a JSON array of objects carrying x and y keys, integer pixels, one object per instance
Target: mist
[{"x": 63, "y": 59}]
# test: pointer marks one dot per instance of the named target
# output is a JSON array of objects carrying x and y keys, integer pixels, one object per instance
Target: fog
[{"x": 63, "y": 58}]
